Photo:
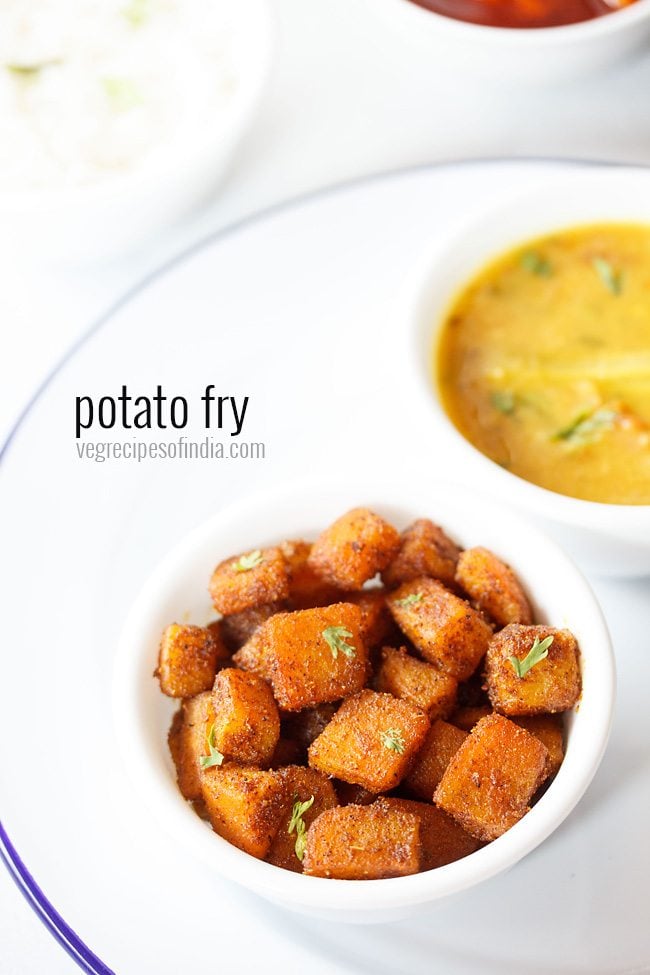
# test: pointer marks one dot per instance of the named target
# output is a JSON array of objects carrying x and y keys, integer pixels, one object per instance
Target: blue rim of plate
[{"x": 80, "y": 953}]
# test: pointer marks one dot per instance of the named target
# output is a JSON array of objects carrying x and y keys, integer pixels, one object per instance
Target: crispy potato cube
[
  {"x": 549, "y": 686},
  {"x": 302, "y": 784},
  {"x": 442, "y": 840},
  {"x": 254, "y": 654},
  {"x": 251, "y": 579},
  {"x": 489, "y": 782},
  {"x": 443, "y": 627},
  {"x": 306, "y": 588},
  {"x": 363, "y": 843},
  {"x": 238, "y": 628},
  {"x": 188, "y": 741},
  {"x": 370, "y": 741},
  {"x": 247, "y": 721},
  {"x": 187, "y": 660},
  {"x": 353, "y": 795},
  {"x": 421, "y": 683},
  {"x": 310, "y": 658},
  {"x": 548, "y": 728},
  {"x": 224, "y": 651},
  {"x": 354, "y": 549},
  {"x": 493, "y": 586},
  {"x": 424, "y": 550},
  {"x": 376, "y": 622},
  {"x": 466, "y": 718},
  {"x": 244, "y": 805},
  {"x": 305, "y": 726},
  {"x": 440, "y": 746}
]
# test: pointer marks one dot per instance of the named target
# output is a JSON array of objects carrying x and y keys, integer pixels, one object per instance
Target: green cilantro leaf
[
  {"x": 503, "y": 401},
  {"x": 611, "y": 278},
  {"x": 393, "y": 740},
  {"x": 215, "y": 757},
  {"x": 247, "y": 562},
  {"x": 411, "y": 599},
  {"x": 533, "y": 262},
  {"x": 335, "y": 637},
  {"x": 586, "y": 426},
  {"x": 538, "y": 652},
  {"x": 297, "y": 825}
]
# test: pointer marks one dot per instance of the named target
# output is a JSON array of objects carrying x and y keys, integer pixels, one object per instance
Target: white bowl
[
  {"x": 120, "y": 212},
  {"x": 177, "y": 591},
  {"x": 609, "y": 539},
  {"x": 546, "y": 55}
]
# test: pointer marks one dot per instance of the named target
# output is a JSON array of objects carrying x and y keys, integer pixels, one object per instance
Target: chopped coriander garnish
[
  {"x": 503, "y": 400},
  {"x": 335, "y": 637},
  {"x": 533, "y": 262},
  {"x": 587, "y": 426},
  {"x": 297, "y": 823},
  {"x": 215, "y": 757},
  {"x": 393, "y": 740},
  {"x": 610, "y": 277},
  {"x": 122, "y": 93},
  {"x": 247, "y": 562},
  {"x": 411, "y": 599},
  {"x": 538, "y": 651}
]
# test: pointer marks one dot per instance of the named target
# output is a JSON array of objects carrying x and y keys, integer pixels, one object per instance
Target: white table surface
[{"x": 348, "y": 99}]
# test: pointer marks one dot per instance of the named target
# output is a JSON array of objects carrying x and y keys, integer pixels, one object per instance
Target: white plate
[{"x": 296, "y": 310}]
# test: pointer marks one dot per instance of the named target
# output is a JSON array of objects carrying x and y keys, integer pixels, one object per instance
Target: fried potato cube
[
  {"x": 224, "y": 650},
  {"x": 244, "y": 805},
  {"x": 466, "y": 718},
  {"x": 238, "y": 628},
  {"x": 302, "y": 785},
  {"x": 251, "y": 579},
  {"x": 489, "y": 782},
  {"x": 254, "y": 654},
  {"x": 442, "y": 840},
  {"x": 376, "y": 622},
  {"x": 548, "y": 728},
  {"x": 413, "y": 680},
  {"x": 493, "y": 586},
  {"x": 424, "y": 550},
  {"x": 551, "y": 685},
  {"x": 187, "y": 660},
  {"x": 354, "y": 549},
  {"x": 353, "y": 795},
  {"x": 370, "y": 741},
  {"x": 305, "y": 726},
  {"x": 306, "y": 588},
  {"x": 187, "y": 739},
  {"x": 440, "y": 746},
  {"x": 443, "y": 627},
  {"x": 311, "y": 658},
  {"x": 363, "y": 843},
  {"x": 247, "y": 720}
]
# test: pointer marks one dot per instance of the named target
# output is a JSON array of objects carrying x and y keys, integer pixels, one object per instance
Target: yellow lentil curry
[{"x": 544, "y": 362}]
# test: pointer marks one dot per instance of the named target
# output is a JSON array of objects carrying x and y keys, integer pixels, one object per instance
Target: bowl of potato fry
[{"x": 356, "y": 700}]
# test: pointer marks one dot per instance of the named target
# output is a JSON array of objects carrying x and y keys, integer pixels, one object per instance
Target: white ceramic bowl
[
  {"x": 608, "y": 539},
  {"x": 118, "y": 213},
  {"x": 543, "y": 56},
  {"x": 177, "y": 590}
]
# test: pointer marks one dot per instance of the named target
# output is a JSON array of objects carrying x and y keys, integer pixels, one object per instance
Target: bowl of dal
[{"x": 532, "y": 350}]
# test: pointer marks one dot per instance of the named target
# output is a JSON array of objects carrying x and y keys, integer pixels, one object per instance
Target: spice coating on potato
[
  {"x": 224, "y": 651},
  {"x": 187, "y": 660},
  {"x": 488, "y": 784},
  {"x": 370, "y": 741},
  {"x": 253, "y": 655},
  {"x": 306, "y": 588},
  {"x": 238, "y": 628},
  {"x": 421, "y": 683},
  {"x": 548, "y": 728},
  {"x": 244, "y": 805},
  {"x": 254, "y": 578},
  {"x": 424, "y": 550},
  {"x": 310, "y": 660},
  {"x": 440, "y": 746},
  {"x": 363, "y": 843},
  {"x": 354, "y": 549},
  {"x": 443, "y": 627},
  {"x": 188, "y": 741},
  {"x": 301, "y": 785},
  {"x": 493, "y": 586},
  {"x": 247, "y": 720},
  {"x": 442, "y": 840},
  {"x": 550, "y": 686},
  {"x": 376, "y": 622}
]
